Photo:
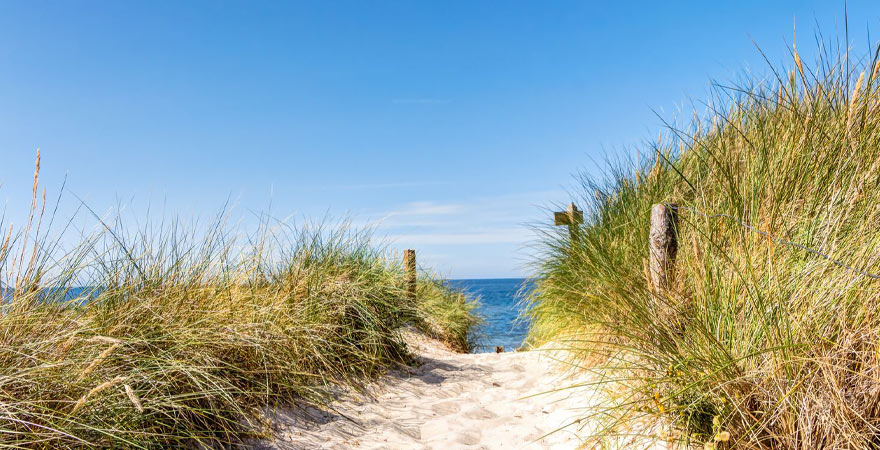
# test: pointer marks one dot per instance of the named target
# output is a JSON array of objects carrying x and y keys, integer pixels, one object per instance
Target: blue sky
[{"x": 450, "y": 124}]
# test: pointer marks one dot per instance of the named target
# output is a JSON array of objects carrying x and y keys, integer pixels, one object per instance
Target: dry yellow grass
[{"x": 770, "y": 345}]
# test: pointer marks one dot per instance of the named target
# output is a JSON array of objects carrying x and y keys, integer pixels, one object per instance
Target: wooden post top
[{"x": 571, "y": 216}]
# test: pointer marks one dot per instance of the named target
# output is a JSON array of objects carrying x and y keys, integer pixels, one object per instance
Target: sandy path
[{"x": 450, "y": 401}]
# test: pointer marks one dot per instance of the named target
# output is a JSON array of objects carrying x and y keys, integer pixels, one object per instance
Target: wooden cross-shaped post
[{"x": 571, "y": 217}]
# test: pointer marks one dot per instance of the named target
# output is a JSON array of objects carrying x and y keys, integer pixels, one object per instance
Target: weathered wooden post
[
  {"x": 571, "y": 217},
  {"x": 664, "y": 245},
  {"x": 409, "y": 267}
]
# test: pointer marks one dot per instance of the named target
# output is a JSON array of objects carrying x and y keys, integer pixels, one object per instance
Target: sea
[{"x": 500, "y": 308}]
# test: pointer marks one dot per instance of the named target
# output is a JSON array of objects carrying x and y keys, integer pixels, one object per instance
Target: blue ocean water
[
  {"x": 82, "y": 294},
  {"x": 500, "y": 309}
]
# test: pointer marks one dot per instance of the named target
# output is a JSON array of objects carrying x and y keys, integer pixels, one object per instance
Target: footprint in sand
[
  {"x": 469, "y": 438},
  {"x": 479, "y": 413},
  {"x": 446, "y": 408},
  {"x": 484, "y": 401},
  {"x": 412, "y": 431}
]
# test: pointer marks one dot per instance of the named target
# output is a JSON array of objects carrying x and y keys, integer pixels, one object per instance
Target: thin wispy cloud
[
  {"x": 508, "y": 236},
  {"x": 462, "y": 229},
  {"x": 377, "y": 186},
  {"x": 427, "y": 209}
]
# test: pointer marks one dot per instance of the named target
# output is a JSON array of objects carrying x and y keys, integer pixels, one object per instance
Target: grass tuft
[
  {"x": 758, "y": 343},
  {"x": 164, "y": 337}
]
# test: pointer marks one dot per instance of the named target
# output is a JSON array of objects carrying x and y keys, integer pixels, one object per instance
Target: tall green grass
[
  {"x": 184, "y": 338},
  {"x": 758, "y": 344}
]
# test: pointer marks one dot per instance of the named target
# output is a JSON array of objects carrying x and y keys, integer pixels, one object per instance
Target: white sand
[{"x": 450, "y": 401}]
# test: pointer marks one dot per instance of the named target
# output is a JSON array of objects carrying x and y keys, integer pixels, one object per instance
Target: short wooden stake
[
  {"x": 409, "y": 267},
  {"x": 664, "y": 245}
]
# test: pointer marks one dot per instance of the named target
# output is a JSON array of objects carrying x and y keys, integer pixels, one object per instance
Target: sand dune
[{"x": 450, "y": 401}]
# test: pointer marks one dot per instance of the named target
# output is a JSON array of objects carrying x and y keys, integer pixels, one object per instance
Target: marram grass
[
  {"x": 758, "y": 344},
  {"x": 183, "y": 340}
]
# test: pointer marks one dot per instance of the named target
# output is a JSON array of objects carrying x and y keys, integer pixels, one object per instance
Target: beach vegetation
[
  {"x": 171, "y": 334},
  {"x": 768, "y": 336}
]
